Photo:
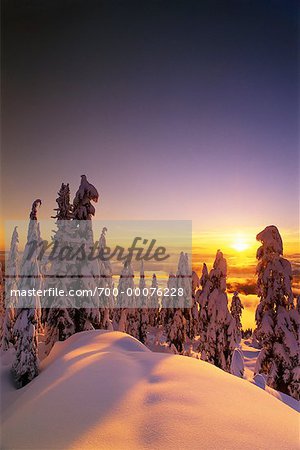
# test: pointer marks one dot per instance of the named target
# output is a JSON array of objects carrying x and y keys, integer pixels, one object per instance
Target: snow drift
[{"x": 106, "y": 390}]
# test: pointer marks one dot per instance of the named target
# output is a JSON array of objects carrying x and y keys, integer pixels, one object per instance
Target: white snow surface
[
  {"x": 106, "y": 390},
  {"x": 250, "y": 354}
]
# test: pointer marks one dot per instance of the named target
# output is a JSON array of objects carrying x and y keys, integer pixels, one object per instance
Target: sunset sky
[{"x": 174, "y": 110}]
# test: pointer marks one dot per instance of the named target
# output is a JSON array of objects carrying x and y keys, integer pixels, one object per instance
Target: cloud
[{"x": 247, "y": 287}]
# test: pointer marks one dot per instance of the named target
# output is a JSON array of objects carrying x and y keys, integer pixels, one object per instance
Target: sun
[{"x": 240, "y": 244}]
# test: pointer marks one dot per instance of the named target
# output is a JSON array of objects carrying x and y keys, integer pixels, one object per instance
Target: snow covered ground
[
  {"x": 157, "y": 343},
  {"x": 250, "y": 355},
  {"x": 106, "y": 390}
]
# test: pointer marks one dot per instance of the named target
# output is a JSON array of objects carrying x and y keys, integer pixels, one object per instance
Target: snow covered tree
[
  {"x": 277, "y": 319},
  {"x": 133, "y": 322},
  {"x": 143, "y": 297},
  {"x": 132, "y": 326},
  {"x": 60, "y": 319},
  {"x": 185, "y": 280},
  {"x": 143, "y": 309},
  {"x": 153, "y": 303},
  {"x": 236, "y": 309},
  {"x": 33, "y": 216},
  {"x": 194, "y": 322},
  {"x": 195, "y": 282},
  {"x": 87, "y": 314},
  {"x": 82, "y": 206},
  {"x": 219, "y": 340},
  {"x": 64, "y": 207},
  {"x": 124, "y": 300},
  {"x": 87, "y": 307},
  {"x": 144, "y": 324},
  {"x": 69, "y": 315},
  {"x": 193, "y": 326},
  {"x": 59, "y": 326},
  {"x": 26, "y": 364},
  {"x": 177, "y": 331},
  {"x": 167, "y": 305},
  {"x": 58, "y": 312},
  {"x": 202, "y": 300},
  {"x": 12, "y": 271},
  {"x": 7, "y": 323},
  {"x": 178, "y": 324},
  {"x": 106, "y": 301},
  {"x": 191, "y": 313}
]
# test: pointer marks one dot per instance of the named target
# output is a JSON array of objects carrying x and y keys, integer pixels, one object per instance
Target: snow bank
[
  {"x": 105, "y": 390},
  {"x": 250, "y": 354}
]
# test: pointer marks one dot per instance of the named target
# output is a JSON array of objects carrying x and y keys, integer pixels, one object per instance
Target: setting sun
[{"x": 240, "y": 244}]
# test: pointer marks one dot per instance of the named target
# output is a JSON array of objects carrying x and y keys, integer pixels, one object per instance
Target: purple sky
[{"x": 174, "y": 110}]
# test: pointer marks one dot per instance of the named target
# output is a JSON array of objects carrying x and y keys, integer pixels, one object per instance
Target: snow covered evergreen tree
[
  {"x": 236, "y": 309},
  {"x": 219, "y": 341},
  {"x": 192, "y": 313},
  {"x": 82, "y": 206},
  {"x": 69, "y": 315},
  {"x": 87, "y": 307},
  {"x": 153, "y": 309},
  {"x": 133, "y": 322},
  {"x": 195, "y": 282},
  {"x": 143, "y": 309},
  {"x": 143, "y": 297},
  {"x": 177, "y": 330},
  {"x": 167, "y": 304},
  {"x": 178, "y": 324},
  {"x": 26, "y": 364},
  {"x": 184, "y": 281},
  {"x": 60, "y": 319},
  {"x": 124, "y": 300},
  {"x": 64, "y": 207},
  {"x": 132, "y": 326},
  {"x": 202, "y": 300},
  {"x": 105, "y": 282},
  {"x": 190, "y": 308},
  {"x": 277, "y": 318},
  {"x": 193, "y": 328},
  {"x": 143, "y": 324},
  {"x": 59, "y": 313},
  {"x": 12, "y": 271}
]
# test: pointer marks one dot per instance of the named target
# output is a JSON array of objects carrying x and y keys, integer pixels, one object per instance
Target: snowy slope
[
  {"x": 105, "y": 390},
  {"x": 250, "y": 356}
]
